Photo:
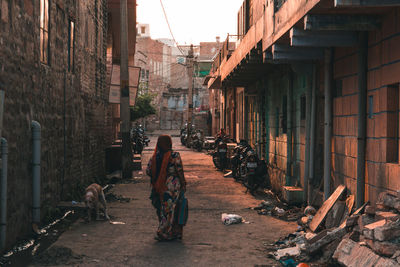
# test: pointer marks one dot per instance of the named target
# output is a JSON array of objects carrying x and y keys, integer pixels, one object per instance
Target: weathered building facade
[
  {"x": 53, "y": 70},
  {"x": 164, "y": 75},
  {"x": 313, "y": 86}
]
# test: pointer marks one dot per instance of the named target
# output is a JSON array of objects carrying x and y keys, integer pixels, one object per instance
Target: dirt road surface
[{"x": 206, "y": 241}]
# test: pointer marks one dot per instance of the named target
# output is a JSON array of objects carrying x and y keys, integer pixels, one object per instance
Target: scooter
[
  {"x": 220, "y": 159},
  {"x": 197, "y": 140}
]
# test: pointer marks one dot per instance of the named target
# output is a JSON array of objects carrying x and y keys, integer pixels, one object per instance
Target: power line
[{"x": 169, "y": 27}]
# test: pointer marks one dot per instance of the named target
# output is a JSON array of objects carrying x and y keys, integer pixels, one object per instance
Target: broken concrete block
[
  {"x": 364, "y": 220},
  {"x": 387, "y": 249},
  {"x": 389, "y": 200},
  {"x": 330, "y": 235},
  {"x": 384, "y": 262},
  {"x": 293, "y": 251},
  {"x": 368, "y": 230},
  {"x": 352, "y": 220},
  {"x": 388, "y": 231},
  {"x": 370, "y": 210},
  {"x": 387, "y": 215},
  {"x": 310, "y": 236},
  {"x": 335, "y": 215},
  {"x": 349, "y": 253}
]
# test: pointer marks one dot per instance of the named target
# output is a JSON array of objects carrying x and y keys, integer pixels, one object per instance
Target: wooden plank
[
  {"x": 303, "y": 38},
  {"x": 358, "y": 211},
  {"x": 366, "y": 3},
  {"x": 338, "y": 22},
  {"x": 326, "y": 207}
]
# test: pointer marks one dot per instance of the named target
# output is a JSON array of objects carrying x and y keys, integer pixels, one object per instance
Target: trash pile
[
  {"x": 279, "y": 209},
  {"x": 337, "y": 233}
]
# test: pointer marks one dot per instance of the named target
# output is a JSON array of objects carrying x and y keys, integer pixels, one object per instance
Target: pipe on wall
[
  {"x": 289, "y": 147},
  {"x": 361, "y": 118},
  {"x": 328, "y": 122},
  {"x": 307, "y": 148},
  {"x": 3, "y": 194},
  {"x": 36, "y": 151},
  {"x": 313, "y": 132}
]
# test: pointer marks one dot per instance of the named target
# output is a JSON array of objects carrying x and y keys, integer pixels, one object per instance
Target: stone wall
[{"x": 54, "y": 96}]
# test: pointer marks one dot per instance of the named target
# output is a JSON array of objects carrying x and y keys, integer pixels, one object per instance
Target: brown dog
[{"x": 94, "y": 195}]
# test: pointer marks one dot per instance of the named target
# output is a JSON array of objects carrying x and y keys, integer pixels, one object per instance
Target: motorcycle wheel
[
  {"x": 216, "y": 161},
  {"x": 199, "y": 148}
]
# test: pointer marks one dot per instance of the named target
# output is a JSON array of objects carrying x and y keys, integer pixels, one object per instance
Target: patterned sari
[{"x": 165, "y": 201}]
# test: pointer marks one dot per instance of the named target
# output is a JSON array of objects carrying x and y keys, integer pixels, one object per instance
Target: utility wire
[{"x": 169, "y": 27}]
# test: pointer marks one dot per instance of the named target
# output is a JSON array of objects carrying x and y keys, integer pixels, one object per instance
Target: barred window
[{"x": 44, "y": 31}]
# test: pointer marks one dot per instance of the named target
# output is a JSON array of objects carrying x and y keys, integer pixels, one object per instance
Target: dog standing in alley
[{"x": 94, "y": 195}]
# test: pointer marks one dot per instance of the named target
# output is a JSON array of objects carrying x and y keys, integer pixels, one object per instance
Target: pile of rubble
[
  {"x": 273, "y": 206},
  {"x": 339, "y": 234}
]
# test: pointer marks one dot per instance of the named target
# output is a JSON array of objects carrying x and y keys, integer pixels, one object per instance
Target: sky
[{"x": 192, "y": 21}]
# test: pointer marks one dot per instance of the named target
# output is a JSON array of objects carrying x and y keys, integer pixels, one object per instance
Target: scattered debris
[
  {"x": 228, "y": 174},
  {"x": 57, "y": 255},
  {"x": 310, "y": 210},
  {"x": 111, "y": 197},
  {"x": 111, "y": 222},
  {"x": 292, "y": 251},
  {"x": 229, "y": 219},
  {"x": 368, "y": 236}
]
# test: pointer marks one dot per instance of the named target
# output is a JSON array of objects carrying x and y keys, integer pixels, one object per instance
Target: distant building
[
  {"x": 143, "y": 30},
  {"x": 164, "y": 74}
]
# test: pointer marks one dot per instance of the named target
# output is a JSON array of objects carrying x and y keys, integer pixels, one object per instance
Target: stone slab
[{"x": 349, "y": 253}]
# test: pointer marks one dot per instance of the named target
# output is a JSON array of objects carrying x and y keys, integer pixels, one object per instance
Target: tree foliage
[{"x": 143, "y": 107}]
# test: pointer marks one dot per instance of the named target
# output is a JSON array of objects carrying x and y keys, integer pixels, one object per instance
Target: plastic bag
[{"x": 228, "y": 219}]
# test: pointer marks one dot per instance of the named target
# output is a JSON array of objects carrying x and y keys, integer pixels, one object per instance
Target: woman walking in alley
[{"x": 168, "y": 186}]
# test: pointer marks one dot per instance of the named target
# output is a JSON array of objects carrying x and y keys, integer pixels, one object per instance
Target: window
[
  {"x": 44, "y": 31},
  {"x": 143, "y": 29},
  {"x": 71, "y": 45}
]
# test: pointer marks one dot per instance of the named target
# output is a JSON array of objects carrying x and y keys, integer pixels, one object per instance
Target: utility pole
[
  {"x": 124, "y": 105},
  {"x": 190, "y": 67}
]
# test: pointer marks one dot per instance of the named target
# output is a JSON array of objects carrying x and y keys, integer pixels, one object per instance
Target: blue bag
[{"x": 182, "y": 210}]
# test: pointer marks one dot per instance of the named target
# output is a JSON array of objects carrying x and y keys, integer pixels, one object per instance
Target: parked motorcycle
[
  {"x": 209, "y": 143},
  {"x": 238, "y": 160},
  {"x": 220, "y": 158},
  {"x": 197, "y": 140},
  {"x": 138, "y": 139},
  {"x": 248, "y": 168},
  {"x": 183, "y": 135}
]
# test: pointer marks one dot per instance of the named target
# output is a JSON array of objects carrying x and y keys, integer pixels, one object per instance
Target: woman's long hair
[{"x": 159, "y": 168}]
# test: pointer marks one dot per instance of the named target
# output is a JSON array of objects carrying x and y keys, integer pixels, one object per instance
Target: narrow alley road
[{"x": 206, "y": 241}]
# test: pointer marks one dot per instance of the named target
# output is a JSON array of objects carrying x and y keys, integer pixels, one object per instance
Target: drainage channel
[{"x": 23, "y": 253}]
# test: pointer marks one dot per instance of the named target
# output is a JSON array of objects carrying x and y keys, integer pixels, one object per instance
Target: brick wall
[
  {"x": 35, "y": 91},
  {"x": 382, "y": 148}
]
